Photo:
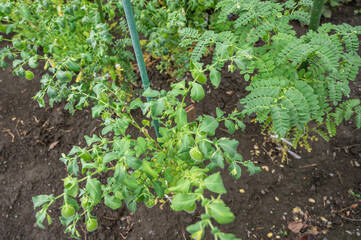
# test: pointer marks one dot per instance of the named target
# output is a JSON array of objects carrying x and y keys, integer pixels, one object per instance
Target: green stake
[
  {"x": 316, "y": 14},
  {"x": 138, "y": 52}
]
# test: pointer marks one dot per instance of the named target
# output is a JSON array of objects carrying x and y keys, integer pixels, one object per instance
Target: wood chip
[
  {"x": 311, "y": 200},
  {"x": 53, "y": 145}
]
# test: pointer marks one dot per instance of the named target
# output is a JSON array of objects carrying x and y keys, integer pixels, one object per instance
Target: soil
[{"x": 311, "y": 196}]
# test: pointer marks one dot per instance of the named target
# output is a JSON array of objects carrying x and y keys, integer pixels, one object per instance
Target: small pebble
[
  {"x": 358, "y": 234},
  {"x": 357, "y": 164},
  {"x": 331, "y": 174},
  {"x": 328, "y": 202},
  {"x": 311, "y": 200},
  {"x": 348, "y": 232},
  {"x": 263, "y": 192}
]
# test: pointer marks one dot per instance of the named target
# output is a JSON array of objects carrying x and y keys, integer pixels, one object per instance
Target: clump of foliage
[
  {"x": 285, "y": 95},
  {"x": 70, "y": 41},
  {"x": 160, "y": 21}
]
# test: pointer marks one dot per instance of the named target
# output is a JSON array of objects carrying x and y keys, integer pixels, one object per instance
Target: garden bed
[{"x": 311, "y": 196}]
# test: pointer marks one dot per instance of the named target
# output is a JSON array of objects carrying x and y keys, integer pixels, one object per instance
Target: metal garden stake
[{"x": 138, "y": 52}]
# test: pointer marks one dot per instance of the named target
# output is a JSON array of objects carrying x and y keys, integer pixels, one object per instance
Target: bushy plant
[{"x": 293, "y": 80}]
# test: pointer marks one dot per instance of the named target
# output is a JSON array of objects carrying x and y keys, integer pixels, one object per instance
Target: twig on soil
[
  {"x": 109, "y": 218},
  {"x": 309, "y": 165},
  {"x": 67, "y": 131},
  {"x": 9, "y": 132},
  {"x": 352, "y": 145},
  {"x": 184, "y": 236},
  {"x": 16, "y": 128},
  {"x": 269, "y": 155},
  {"x": 91, "y": 133},
  {"x": 339, "y": 177},
  {"x": 122, "y": 236},
  {"x": 351, "y": 219},
  {"x": 36, "y": 120},
  {"x": 85, "y": 236}
]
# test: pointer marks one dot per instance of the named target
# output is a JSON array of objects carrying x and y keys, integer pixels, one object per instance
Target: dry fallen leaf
[
  {"x": 296, "y": 226},
  {"x": 53, "y": 145},
  {"x": 354, "y": 205},
  {"x": 296, "y": 210},
  {"x": 313, "y": 230}
]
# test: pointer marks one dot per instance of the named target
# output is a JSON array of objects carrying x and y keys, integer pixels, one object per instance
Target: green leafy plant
[
  {"x": 75, "y": 43},
  {"x": 284, "y": 95},
  {"x": 160, "y": 21},
  {"x": 178, "y": 166}
]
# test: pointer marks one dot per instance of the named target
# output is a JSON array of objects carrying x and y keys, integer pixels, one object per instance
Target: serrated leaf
[
  {"x": 93, "y": 187},
  {"x": 157, "y": 185},
  {"x": 230, "y": 126},
  {"x": 135, "y": 104},
  {"x": 209, "y": 125},
  {"x": 219, "y": 113},
  {"x": 215, "y": 77},
  {"x": 110, "y": 157},
  {"x": 251, "y": 168},
  {"x": 197, "y": 230},
  {"x": 182, "y": 186},
  {"x": 151, "y": 93},
  {"x": 235, "y": 170},
  {"x": 183, "y": 201},
  {"x": 197, "y": 73},
  {"x": 197, "y": 92},
  {"x": 71, "y": 184},
  {"x": 40, "y": 217},
  {"x": 33, "y": 62},
  {"x": 41, "y": 199},
  {"x": 140, "y": 147},
  {"x": 220, "y": 212},
  {"x": 133, "y": 162},
  {"x": 96, "y": 110},
  {"x": 214, "y": 183},
  {"x": 73, "y": 66},
  {"x": 229, "y": 146},
  {"x": 62, "y": 76},
  {"x": 218, "y": 159},
  {"x": 181, "y": 117},
  {"x": 112, "y": 202},
  {"x": 158, "y": 107}
]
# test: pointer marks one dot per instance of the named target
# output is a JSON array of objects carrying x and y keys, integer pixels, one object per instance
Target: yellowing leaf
[{"x": 79, "y": 77}]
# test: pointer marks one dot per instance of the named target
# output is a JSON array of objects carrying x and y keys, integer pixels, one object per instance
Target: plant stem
[
  {"x": 100, "y": 11},
  {"x": 316, "y": 14},
  {"x": 138, "y": 52}
]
